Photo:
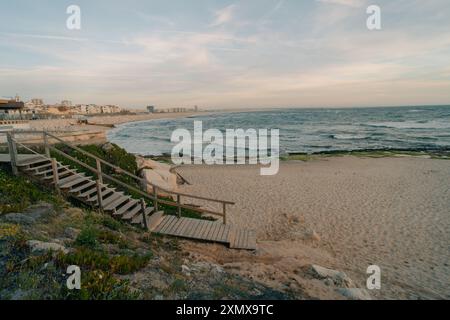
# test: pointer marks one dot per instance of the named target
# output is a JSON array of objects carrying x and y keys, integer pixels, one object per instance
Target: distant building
[
  {"x": 11, "y": 108},
  {"x": 66, "y": 103},
  {"x": 37, "y": 102},
  {"x": 151, "y": 109}
]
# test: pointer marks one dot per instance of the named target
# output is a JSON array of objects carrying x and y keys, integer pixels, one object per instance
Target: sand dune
[{"x": 393, "y": 212}]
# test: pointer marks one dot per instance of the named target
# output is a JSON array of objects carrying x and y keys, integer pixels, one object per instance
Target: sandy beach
[
  {"x": 102, "y": 121},
  {"x": 344, "y": 213}
]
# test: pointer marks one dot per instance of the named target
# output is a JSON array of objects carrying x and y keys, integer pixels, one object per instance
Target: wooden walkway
[
  {"x": 126, "y": 208},
  {"x": 207, "y": 231}
]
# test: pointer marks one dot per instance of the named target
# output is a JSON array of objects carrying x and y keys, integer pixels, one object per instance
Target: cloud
[
  {"x": 347, "y": 3},
  {"x": 223, "y": 16}
]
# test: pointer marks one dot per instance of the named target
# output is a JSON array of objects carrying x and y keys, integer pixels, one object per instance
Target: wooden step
[
  {"x": 30, "y": 169},
  {"x": 125, "y": 207},
  {"x": 89, "y": 193},
  {"x": 154, "y": 220},
  {"x": 30, "y": 162},
  {"x": 41, "y": 173},
  {"x": 116, "y": 203},
  {"x": 83, "y": 187},
  {"x": 105, "y": 194},
  {"x": 70, "y": 178},
  {"x": 112, "y": 198},
  {"x": 74, "y": 182},
  {"x": 60, "y": 175},
  {"x": 137, "y": 219},
  {"x": 131, "y": 213}
]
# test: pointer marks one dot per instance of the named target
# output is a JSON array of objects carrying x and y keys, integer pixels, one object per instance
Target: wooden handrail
[
  {"x": 142, "y": 193},
  {"x": 118, "y": 169},
  {"x": 101, "y": 175}
]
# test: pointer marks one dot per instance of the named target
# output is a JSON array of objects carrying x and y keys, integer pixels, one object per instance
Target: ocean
[{"x": 307, "y": 130}]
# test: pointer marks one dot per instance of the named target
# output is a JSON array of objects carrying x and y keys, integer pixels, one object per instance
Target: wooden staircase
[
  {"x": 85, "y": 189},
  {"x": 101, "y": 196}
]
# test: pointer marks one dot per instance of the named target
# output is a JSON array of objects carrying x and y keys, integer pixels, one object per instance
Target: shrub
[{"x": 88, "y": 238}]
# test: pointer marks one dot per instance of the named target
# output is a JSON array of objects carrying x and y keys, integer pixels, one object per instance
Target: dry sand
[
  {"x": 102, "y": 121},
  {"x": 392, "y": 212}
]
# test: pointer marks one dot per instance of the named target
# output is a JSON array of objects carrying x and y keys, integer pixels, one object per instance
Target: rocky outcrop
[
  {"x": 36, "y": 245},
  {"x": 157, "y": 173},
  {"x": 338, "y": 278},
  {"x": 37, "y": 212}
]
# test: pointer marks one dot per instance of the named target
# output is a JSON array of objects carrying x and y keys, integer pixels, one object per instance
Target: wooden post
[
  {"x": 144, "y": 218},
  {"x": 155, "y": 195},
  {"x": 12, "y": 154},
  {"x": 224, "y": 213},
  {"x": 179, "y": 205},
  {"x": 46, "y": 146},
  {"x": 99, "y": 170},
  {"x": 55, "y": 174},
  {"x": 99, "y": 195}
]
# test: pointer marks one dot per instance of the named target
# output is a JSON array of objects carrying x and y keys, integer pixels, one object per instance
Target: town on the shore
[{"x": 14, "y": 108}]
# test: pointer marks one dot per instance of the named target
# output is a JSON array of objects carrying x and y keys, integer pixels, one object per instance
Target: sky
[{"x": 227, "y": 54}]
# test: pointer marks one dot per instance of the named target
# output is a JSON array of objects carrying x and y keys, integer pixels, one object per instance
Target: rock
[
  {"x": 71, "y": 233},
  {"x": 143, "y": 163},
  {"x": 108, "y": 147},
  {"x": 185, "y": 270},
  {"x": 41, "y": 210},
  {"x": 339, "y": 278},
  {"x": 158, "y": 174},
  {"x": 18, "y": 218},
  {"x": 34, "y": 213},
  {"x": 355, "y": 293},
  {"x": 19, "y": 295},
  {"x": 36, "y": 245},
  {"x": 159, "y": 179},
  {"x": 217, "y": 269}
]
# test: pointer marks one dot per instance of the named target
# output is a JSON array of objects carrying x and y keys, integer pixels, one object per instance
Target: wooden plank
[
  {"x": 252, "y": 240},
  {"x": 237, "y": 238},
  {"x": 204, "y": 225},
  {"x": 181, "y": 228},
  {"x": 192, "y": 225},
  {"x": 215, "y": 235},
  {"x": 196, "y": 231},
  {"x": 168, "y": 228},
  {"x": 221, "y": 233},
  {"x": 185, "y": 227},
  {"x": 204, "y": 235},
  {"x": 212, "y": 231},
  {"x": 226, "y": 233},
  {"x": 177, "y": 227},
  {"x": 169, "y": 221},
  {"x": 162, "y": 224},
  {"x": 173, "y": 226},
  {"x": 245, "y": 241},
  {"x": 191, "y": 232},
  {"x": 166, "y": 222}
]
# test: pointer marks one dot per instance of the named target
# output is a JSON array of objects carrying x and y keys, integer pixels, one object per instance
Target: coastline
[{"x": 344, "y": 208}]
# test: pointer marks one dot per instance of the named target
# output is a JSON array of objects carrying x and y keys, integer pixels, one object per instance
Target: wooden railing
[{"x": 100, "y": 174}]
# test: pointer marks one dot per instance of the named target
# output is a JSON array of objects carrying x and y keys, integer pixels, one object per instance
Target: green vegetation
[{"x": 17, "y": 193}]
